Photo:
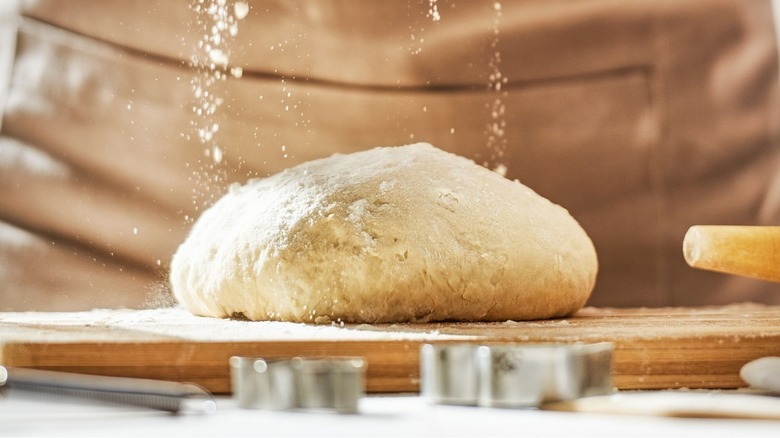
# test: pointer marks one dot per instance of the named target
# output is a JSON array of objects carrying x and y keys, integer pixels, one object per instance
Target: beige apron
[{"x": 642, "y": 118}]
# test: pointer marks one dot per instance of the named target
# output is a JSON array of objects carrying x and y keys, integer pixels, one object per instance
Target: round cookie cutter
[{"x": 327, "y": 383}]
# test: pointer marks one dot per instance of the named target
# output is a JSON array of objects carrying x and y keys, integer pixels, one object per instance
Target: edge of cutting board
[{"x": 654, "y": 348}]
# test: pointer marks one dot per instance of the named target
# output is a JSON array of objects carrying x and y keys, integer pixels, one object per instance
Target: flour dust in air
[
  {"x": 216, "y": 25},
  {"x": 417, "y": 35},
  {"x": 433, "y": 10},
  {"x": 496, "y": 126}
]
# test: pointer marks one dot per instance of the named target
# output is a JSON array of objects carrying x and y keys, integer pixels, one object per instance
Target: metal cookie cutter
[
  {"x": 448, "y": 374},
  {"x": 514, "y": 375},
  {"x": 262, "y": 384},
  {"x": 335, "y": 384}
]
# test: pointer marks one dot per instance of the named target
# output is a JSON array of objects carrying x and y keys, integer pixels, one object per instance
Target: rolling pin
[{"x": 752, "y": 251}]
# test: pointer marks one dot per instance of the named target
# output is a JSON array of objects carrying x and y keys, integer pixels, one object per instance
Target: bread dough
[{"x": 392, "y": 234}]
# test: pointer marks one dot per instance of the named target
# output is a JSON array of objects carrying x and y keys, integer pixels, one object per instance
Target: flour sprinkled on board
[{"x": 176, "y": 322}]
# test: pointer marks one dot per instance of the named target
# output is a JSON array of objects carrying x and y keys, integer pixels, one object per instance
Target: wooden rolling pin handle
[{"x": 752, "y": 251}]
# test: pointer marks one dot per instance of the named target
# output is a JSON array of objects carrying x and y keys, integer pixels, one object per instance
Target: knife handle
[
  {"x": 172, "y": 397},
  {"x": 751, "y": 251}
]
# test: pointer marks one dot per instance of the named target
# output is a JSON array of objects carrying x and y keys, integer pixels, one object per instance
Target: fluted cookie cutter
[
  {"x": 514, "y": 375},
  {"x": 262, "y": 384},
  {"x": 330, "y": 383}
]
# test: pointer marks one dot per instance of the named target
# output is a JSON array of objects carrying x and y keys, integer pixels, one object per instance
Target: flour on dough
[{"x": 392, "y": 234}]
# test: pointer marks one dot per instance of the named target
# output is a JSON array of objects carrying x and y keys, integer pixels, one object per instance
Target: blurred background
[{"x": 122, "y": 120}]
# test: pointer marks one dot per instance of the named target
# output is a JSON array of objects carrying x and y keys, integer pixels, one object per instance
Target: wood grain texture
[{"x": 654, "y": 348}]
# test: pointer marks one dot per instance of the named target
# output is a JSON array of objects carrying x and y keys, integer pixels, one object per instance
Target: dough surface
[{"x": 392, "y": 234}]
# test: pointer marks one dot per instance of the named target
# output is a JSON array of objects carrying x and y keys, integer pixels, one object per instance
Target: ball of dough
[{"x": 393, "y": 234}]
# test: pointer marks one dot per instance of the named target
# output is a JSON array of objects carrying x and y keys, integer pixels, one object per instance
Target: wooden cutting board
[{"x": 654, "y": 348}]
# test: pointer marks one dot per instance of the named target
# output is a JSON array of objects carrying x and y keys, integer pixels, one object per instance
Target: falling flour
[
  {"x": 496, "y": 127},
  {"x": 216, "y": 24}
]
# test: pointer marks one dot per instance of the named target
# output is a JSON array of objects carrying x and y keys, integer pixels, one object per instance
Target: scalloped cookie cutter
[{"x": 514, "y": 375}]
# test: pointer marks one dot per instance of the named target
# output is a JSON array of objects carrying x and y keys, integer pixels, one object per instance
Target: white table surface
[{"x": 405, "y": 416}]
